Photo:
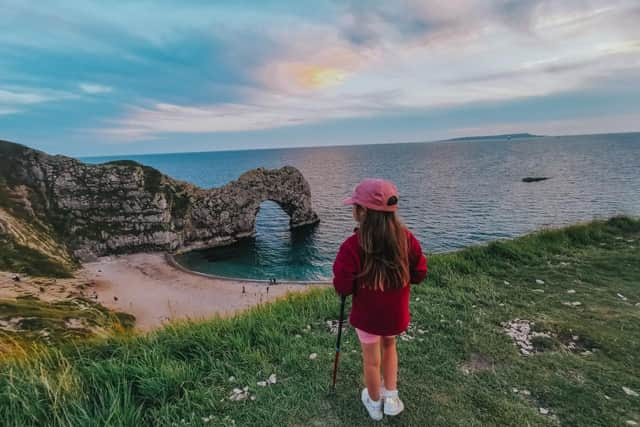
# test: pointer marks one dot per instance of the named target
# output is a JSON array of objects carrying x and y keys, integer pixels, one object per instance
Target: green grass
[
  {"x": 36, "y": 321},
  {"x": 19, "y": 258},
  {"x": 181, "y": 372}
]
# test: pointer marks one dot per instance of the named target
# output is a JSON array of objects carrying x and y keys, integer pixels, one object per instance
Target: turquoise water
[{"x": 452, "y": 194}]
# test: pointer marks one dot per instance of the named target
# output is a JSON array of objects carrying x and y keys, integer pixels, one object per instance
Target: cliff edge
[{"x": 69, "y": 210}]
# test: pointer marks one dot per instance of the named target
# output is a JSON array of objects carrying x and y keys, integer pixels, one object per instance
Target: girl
[{"x": 376, "y": 265}]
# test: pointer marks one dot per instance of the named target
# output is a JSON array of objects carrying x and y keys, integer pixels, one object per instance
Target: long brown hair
[{"x": 383, "y": 240}]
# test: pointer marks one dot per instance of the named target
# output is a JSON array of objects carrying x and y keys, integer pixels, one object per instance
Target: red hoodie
[{"x": 374, "y": 311}]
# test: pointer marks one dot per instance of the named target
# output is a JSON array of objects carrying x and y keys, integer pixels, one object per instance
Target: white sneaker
[
  {"x": 374, "y": 408},
  {"x": 392, "y": 403}
]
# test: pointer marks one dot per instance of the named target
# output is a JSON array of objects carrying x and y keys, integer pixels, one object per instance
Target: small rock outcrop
[
  {"x": 124, "y": 206},
  {"x": 535, "y": 178}
]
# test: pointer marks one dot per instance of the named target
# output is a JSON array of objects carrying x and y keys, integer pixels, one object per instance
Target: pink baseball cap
[{"x": 375, "y": 194}]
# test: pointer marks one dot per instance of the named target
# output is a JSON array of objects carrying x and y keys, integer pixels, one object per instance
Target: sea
[{"x": 452, "y": 194}]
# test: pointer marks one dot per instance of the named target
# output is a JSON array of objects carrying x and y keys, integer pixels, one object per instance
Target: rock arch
[{"x": 124, "y": 206}]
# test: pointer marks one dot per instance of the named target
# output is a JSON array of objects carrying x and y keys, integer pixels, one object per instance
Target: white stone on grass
[
  {"x": 313, "y": 356},
  {"x": 571, "y": 291},
  {"x": 232, "y": 379},
  {"x": 544, "y": 411},
  {"x": 262, "y": 383},
  {"x": 540, "y": 291},
  {"x": 539, "y": 282},
  {"x": 631, "y": 423},
  {"x": 239, "y": 394},
  {"x": 572, "y": 303},
  {"x": 622, "y": 297},
  {"x": 630, "y": 392},
  {"x": 506, "y": 283},
  {"x": 272, "y": 379}
]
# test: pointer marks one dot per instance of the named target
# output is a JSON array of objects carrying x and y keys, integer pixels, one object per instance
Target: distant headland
[{"x": 503, "y": 136}]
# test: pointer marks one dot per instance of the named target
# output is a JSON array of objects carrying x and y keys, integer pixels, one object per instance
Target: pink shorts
[{"x": 367, "y": 338}]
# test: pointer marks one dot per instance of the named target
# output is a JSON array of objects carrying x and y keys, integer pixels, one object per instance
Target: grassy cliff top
[{"x": 576, "y": 288}]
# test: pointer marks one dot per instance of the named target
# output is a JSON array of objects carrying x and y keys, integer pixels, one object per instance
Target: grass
[
  {"x": 180, "y": 375},
  {"x": 26, "y": 320},
  {"x": 19, "y": 258}
]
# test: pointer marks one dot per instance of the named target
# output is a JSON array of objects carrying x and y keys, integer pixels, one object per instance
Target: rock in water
[
  {"x": 124, "y": 206},
  {"x": 535, "y": 178}
]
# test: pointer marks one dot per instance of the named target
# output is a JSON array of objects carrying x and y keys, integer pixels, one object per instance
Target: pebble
[
  {"x": 232, "y": 379},
  {"x": 572, "y": 303},
  {"x": 418, "y": 299},
  {"x": 622, "y": 297},
  {"x": 629, "y": 392},
  {"x": 540, "y": 291},
  {"x": 313, "y": 356},
  {"x": 298, "y": 336},
  {"x": 501, "y": 304},
  {"x": 539, "y": 282},
  {"x": 238, "y": 394},
  {"x": 262, "y": 383},
  {"x": 506, "y": 283},
  {"x": 525, "y": 392},
  {"x": 272, "y": 379},
  {"x": 544, "y": 411},
  {"x": 571, "y": 291},
  {"x": 631, "y": 423},
  {"x": 575, "y": 337}
]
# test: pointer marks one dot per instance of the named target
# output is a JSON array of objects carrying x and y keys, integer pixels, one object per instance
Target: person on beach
[{"x": 376, "y": 265}]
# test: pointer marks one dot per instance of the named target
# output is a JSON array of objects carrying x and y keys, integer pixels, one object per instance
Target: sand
[
  {"x": 155, "y": 292},
  {"x": 150, "y": 288}
]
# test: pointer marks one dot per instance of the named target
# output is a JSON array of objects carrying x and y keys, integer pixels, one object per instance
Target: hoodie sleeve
[
  {"x": 417, "y": 261},
  {"x": 345, "y": 269}
]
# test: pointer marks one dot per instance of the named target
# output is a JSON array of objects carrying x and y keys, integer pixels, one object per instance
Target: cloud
[
  {"x": 94, "y": 89},
  {"x": 14, "y": 100},
  {"x": 266, "y": 111},
  {"x": 194, "y": 68}
]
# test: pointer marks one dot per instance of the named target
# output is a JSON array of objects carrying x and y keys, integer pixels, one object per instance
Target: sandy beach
[
  {"x": 148, "y": 287},
  {"x": 151, "y": 289}
]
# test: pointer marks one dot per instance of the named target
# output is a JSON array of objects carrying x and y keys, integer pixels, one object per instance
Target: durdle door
[{"x": 124, "y": 206}]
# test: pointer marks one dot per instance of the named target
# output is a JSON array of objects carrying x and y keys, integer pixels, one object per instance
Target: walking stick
[{"x": 335, "y": 363}]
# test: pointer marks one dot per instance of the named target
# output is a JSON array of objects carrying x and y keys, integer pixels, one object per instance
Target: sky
[{"x": 125, "y": 77}]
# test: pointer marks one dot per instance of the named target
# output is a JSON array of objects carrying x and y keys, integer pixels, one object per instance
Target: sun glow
[{"x": 316, "y": 76}]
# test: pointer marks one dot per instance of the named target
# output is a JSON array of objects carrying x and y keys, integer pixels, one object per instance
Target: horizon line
[{"x": 453, "y": 139}]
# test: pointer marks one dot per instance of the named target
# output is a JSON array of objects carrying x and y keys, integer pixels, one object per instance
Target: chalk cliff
[{"x": 72, "y": 208}]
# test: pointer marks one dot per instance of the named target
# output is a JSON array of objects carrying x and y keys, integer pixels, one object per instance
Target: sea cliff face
[{"x": 124, "y": 206}]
